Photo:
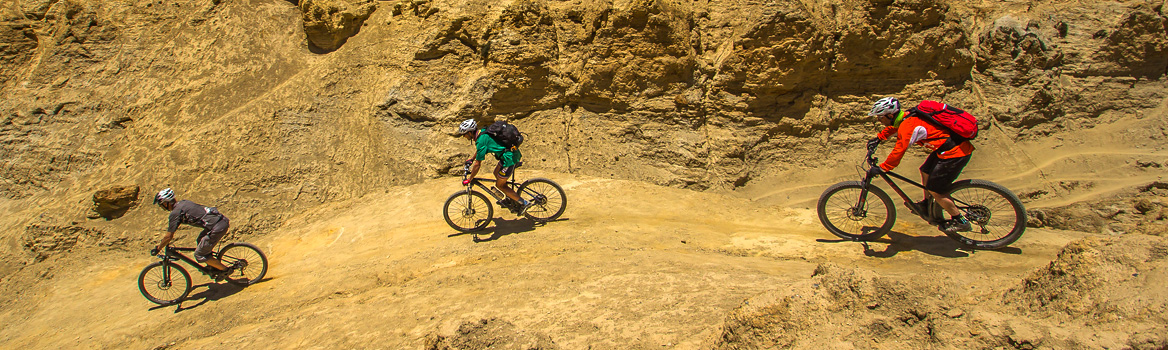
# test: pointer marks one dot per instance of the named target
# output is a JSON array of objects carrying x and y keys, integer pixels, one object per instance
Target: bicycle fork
[{"x": 166, "y": 263}]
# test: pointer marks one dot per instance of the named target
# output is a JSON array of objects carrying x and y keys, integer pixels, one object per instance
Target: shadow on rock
[
  {"x": 933, "y": 245},
  {"x": 505, "y": 227},
  {"x": 212, "y": 292}
]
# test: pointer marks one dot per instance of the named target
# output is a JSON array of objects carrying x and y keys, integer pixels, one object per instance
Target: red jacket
[{"x": 916, "y": 131}]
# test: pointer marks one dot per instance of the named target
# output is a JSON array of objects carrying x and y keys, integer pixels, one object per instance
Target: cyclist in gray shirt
[{"x": 213, "y": 223}]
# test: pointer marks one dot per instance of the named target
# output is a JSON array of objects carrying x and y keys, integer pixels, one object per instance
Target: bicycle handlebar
[{"x": 872, "y": 160}]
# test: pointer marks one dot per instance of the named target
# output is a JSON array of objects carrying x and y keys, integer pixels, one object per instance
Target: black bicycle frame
[
  {"x": 173, "y": 254},
  {"x": 479, "y": 182},
  {"x": 887, "y": 176}
]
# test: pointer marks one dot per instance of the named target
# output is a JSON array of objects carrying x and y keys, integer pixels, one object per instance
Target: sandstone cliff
[{"x": 270, "y": 108}]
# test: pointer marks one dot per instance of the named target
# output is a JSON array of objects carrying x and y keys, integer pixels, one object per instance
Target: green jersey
[{"x": 487, "y": 144}]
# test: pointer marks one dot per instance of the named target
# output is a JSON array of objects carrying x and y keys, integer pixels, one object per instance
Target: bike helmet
[
  {"x": 165, "y": 195},
  {"x": 885, "y": 106},
  {"x": 467, "y": 126}
]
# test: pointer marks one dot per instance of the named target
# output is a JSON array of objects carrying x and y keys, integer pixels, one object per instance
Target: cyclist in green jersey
[{"x": 509, "y": 159}]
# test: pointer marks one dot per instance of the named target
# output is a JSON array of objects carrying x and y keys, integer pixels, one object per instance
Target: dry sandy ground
[{"x": 629, "y": 265}]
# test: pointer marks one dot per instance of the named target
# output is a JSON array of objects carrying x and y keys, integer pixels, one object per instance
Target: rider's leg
[
  {"x": 208, "y": 241},
  {"x": 216, "y": 264},
  {"x": 501, "y": 182},
  {"x": 925, "y": 180},
  {"x": 941, "y": 178},
  {"x": 946, "y": 203},
  {"x": 929, "y": 165}
]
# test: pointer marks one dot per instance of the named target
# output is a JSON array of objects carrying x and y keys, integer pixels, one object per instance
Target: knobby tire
[
  {"x": 996, "y": 214},
  {"x": 154, "y": 285},
  {"x": 837, "y": 211},
  {"x": 249, "y": 261},
  {"x": 548, "y": 199},
  {"x": 464, "y": 211}
]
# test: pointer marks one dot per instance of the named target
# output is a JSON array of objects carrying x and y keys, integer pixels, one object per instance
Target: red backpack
[{"x": 960, "y": 125}]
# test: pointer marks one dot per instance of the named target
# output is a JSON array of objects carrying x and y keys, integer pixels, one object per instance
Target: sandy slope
[{"x": 629, "y": 265}]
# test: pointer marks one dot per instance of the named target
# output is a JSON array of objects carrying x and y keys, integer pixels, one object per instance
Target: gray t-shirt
[{"x": 187, "y": 212}]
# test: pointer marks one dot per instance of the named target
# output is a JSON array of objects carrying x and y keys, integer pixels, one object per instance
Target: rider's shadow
[
  {"x": 505, "y": 227},
  {"x": 212, "y": 292},
  {"x": 933, "y": 245},
  {"x": 942, "y": 246}
]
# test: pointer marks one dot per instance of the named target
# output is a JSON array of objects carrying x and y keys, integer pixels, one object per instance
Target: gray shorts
[{"x": 209, "y": 238}]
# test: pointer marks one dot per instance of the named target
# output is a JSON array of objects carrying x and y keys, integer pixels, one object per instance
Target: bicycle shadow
[
  {"x": 505, "y": 227},
  {"x": 942, "y": 246},
  {"x": 213, "y": 291}
]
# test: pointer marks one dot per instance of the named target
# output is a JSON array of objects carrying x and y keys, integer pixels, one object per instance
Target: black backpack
[{"x": 505, "y": 134}]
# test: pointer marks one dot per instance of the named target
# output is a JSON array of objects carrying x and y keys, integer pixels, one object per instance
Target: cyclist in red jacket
[{"x": 939, "y": 170}]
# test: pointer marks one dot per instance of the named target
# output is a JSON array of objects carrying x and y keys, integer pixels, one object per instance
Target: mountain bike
[
  {"x": 860, "y": 211},
  {"x": 164, "y": 282},
  {"x": 469, "y": 209}
]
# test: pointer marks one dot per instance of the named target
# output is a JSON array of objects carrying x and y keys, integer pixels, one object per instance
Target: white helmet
[
  {"x": 887, "y": 105},
  {"x": 467, "y": 126},
  {"x": 165, "y": 195}
]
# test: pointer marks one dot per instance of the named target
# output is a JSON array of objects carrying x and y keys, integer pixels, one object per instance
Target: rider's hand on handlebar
[
  {"x": 873, "y": 143},
  {"x": 465, "y": 182},
  {"x": 875, "y": 171},
  {"x": 154, "y": 251}
]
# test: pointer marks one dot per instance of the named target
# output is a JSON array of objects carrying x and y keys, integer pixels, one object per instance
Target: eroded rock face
[
  {"x": 712, "y": 94},
  {"x": 18, "y": 42},
  {"x": 329, "y": 23},
  {"x": 491, "y": 333},
  {"x": 113, "y": 202},
  {"x": 1093, "y": 282}
]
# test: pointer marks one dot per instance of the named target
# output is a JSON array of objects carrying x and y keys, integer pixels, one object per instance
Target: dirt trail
[{"x": 629, "y": 266}]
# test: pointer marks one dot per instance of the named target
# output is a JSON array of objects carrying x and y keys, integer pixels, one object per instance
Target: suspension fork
[
  {"x": 166, "y": 263},
  {"x": 860, "y": 208}
]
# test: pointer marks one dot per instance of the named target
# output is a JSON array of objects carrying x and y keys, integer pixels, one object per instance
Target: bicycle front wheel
[
  {"x": 996, "y": 213},
  {"x": 547, "y": 198},
  {"x": 249, "y": 263},
  {"x": 467, "y": 211},
  {"x": 164, "y": 283},
  {"x": 843, "y": 213}
]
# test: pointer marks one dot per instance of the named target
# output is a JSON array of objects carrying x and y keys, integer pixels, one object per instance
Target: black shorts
[
  {"x": 506, "y": 171},
  {"x": 942, "y": 172},
  {"x": 209, "y": 238}
]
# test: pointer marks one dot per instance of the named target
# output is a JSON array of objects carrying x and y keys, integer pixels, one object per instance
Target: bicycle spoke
[
  {"x": 843, "y": 213},
  {"x": 469, "y": 211},
  {"x": 247, "y": 263},
  {"x": 547, "y": 199},
  {"x": 992, "y": 211},
  {"x": 465, "y": 211},
  {"x": 163, "y": 284}
]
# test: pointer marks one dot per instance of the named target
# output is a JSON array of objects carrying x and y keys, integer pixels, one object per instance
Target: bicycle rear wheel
[
  {"x": 467, "y": 211},
  {"x": 164, "y": 284},
  {"x": 844, "y": 215},
  {"x": 249, "y": 263},
  {"x": 997, "y": 214},
  {"x": 547, "y": 198}
]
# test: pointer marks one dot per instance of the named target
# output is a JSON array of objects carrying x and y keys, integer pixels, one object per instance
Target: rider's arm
[
  {"x": 480, "y": 154},
  {"x": 904, "y": 138},
  {"x": 886, "y": 133},
  {"x": 166, "y": 238},
  {"x": 172, "y": 225},
  {"x": 481, "y": 146},
  {"x": 474, "y": 169}
]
